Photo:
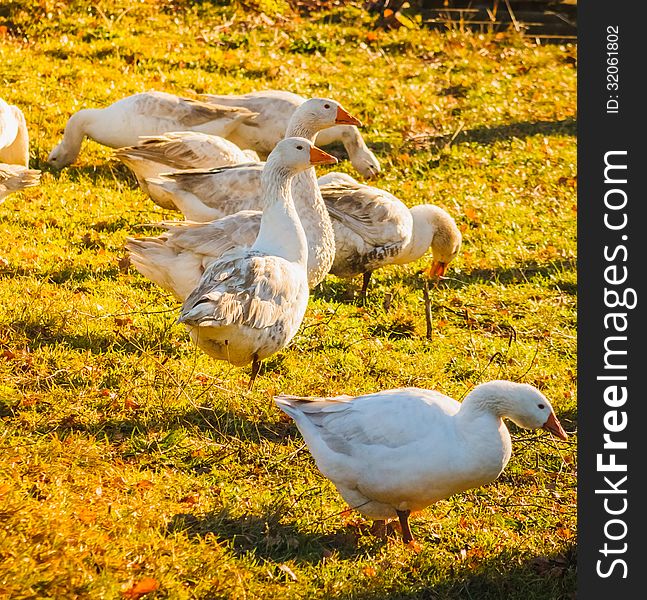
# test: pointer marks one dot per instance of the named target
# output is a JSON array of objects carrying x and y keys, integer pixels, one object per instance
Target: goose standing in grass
[
  {"x": 14, "y": 137},
  {"x": 176, "y": 259},
  {"x": 180, "y": 150},
  {"x": 395, "y": 452},
  {"x": 374, "y": 229},
  {"x": 275, "y": 108},
  {"x": 14, "y": 178},
  {"x": 250, "y": 302},
  {"x": 148, "y": 113}
]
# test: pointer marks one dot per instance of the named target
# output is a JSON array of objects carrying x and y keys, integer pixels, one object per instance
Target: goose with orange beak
[
  {"x": 398, "y": 451},
  {"x": 229, "y": 202},
  {"x": 274, "y": 110},
  {"x": 250, "y": 302},
  {"x": 374, "y": 229}
]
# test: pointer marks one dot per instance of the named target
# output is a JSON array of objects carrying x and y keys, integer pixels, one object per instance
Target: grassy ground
[{"x": 127, "y": 459}]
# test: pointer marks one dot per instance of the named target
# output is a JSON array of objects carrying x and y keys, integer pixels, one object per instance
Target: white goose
[
  {"x": 148, "y": 113},
  {"x": 398, "y": 451},
  {"x": 374, "y": 229},
  {"x": 180, "y": 150},
  {"x": 250, "y": 302},
  {"x": 176, "y": 259},
  {"x": 275, "y": 108},
  {"x": 14, "y": 178},
  {"x": 14, "y": 137}
]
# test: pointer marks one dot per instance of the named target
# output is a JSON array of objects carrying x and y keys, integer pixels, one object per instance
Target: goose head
[
  {"x": 61, "y": 156},
  {"x": 434, "y": 228},
  {"x": 295, "y": 154},
  {"x": 316, "y": 114},
  {"x": 366, "y": 162},
  {"x": 523, "y": 404},
  {"x": 445, "y": 245}
]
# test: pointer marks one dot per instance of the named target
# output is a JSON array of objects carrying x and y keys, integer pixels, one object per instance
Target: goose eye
[
  {"x": 299, "y": 147},
  {"x": 326, "y": 105},
  {"x": 540, "y": 406}
]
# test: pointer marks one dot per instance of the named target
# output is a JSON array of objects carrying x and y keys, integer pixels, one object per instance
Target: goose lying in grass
[
  {"x": 374, "y": 229},
  {"x": 395, "y": 452},
  {"x": 250, "y": 302},
  {"x": 14, "y": 137},
  {"x": 275, "y": 108},
  {"x": 180, "y": 150},
  {"x": 14, "y": 178},
  {"x": 148, "y": 113},
  {"x": 176, "y": 259}
]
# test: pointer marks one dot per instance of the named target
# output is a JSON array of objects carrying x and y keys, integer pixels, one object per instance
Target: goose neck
[
  {"x": 422, "y": 233},
  {"x": 281, "y": 233}
]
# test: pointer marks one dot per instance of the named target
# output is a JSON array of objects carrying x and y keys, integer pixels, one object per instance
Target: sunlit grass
[{"x": 126, "y": 454}]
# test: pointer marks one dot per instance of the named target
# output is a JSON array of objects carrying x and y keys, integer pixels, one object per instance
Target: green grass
[{"x": 126, "y": 454}]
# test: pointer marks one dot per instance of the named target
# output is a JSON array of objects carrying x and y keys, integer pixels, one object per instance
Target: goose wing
[{"x": 243, "y": 288}]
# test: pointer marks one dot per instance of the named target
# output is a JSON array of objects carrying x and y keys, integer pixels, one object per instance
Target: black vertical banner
[{"x": 612, "y": 353}]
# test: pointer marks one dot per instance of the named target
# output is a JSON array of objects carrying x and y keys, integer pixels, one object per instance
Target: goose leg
[
  {"x": 366, "y": 278},
  {"x": 256, "y": 367},
  {"x": 403, "y": 515}
]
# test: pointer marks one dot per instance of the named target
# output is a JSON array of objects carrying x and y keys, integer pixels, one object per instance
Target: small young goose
[
  {"x": 180, "y": 150},
  {"x": 250, "y": 302},
  {"x": 148, "y": 113},
  {"x": 14, "y": 178},
  {"x": 14, "y": 137},
  {"x": 398, "y": 451},
  {"x": 374, "y": 229},
  {"x": 275, "y": 108},
  {"x": 176, "y": 259}
]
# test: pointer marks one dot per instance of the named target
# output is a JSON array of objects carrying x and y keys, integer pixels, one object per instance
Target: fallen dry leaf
[{"x": 141, "y": 588}]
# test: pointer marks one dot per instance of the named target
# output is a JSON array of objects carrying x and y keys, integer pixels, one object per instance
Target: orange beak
[
  {"x": 344, "y": 118},
  {"x": 437, "y": 269},
  {"x": 319, "y": 157},
  {"x": 555, "y": 427}
]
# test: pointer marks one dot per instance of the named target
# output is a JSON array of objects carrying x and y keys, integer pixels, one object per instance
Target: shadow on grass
[
  {"x": 52, "y": 333},
  {"x": 525, "y": 273},
  {"x": 509, "y": 575},
  {"x": 343, "y": 291},
  {"x": 232, "y": 429},
  {"x": 346, "y": 291},
  {"x": 266, "y": 537},
  {"x": 489, "y": 135},
  {"x": 111, "y": 170}
]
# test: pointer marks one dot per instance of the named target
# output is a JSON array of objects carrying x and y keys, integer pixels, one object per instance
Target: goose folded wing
[
  {"x": 376, "y": 216},
  {"x": 187, "y": 111},
  {"x": 230, "y": 189},
  {"x": 244, "y": 289},
  {"x": 387, "y": 420},
  {"x": 179, "y": 151},
  {"x": 214, "y": 238}
]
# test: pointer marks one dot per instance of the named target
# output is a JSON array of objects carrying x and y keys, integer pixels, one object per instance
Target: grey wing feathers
[
  {"x": 240, "y": 288},
  {"x": 249, "y": 169},
  {"x": 189, "y": 112},
  {"x": 16, "y": 177},
  {"x": 214, "y": 238},
  {"x": 363, "y": 210},
  {"x": 162, "y": 149}
]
